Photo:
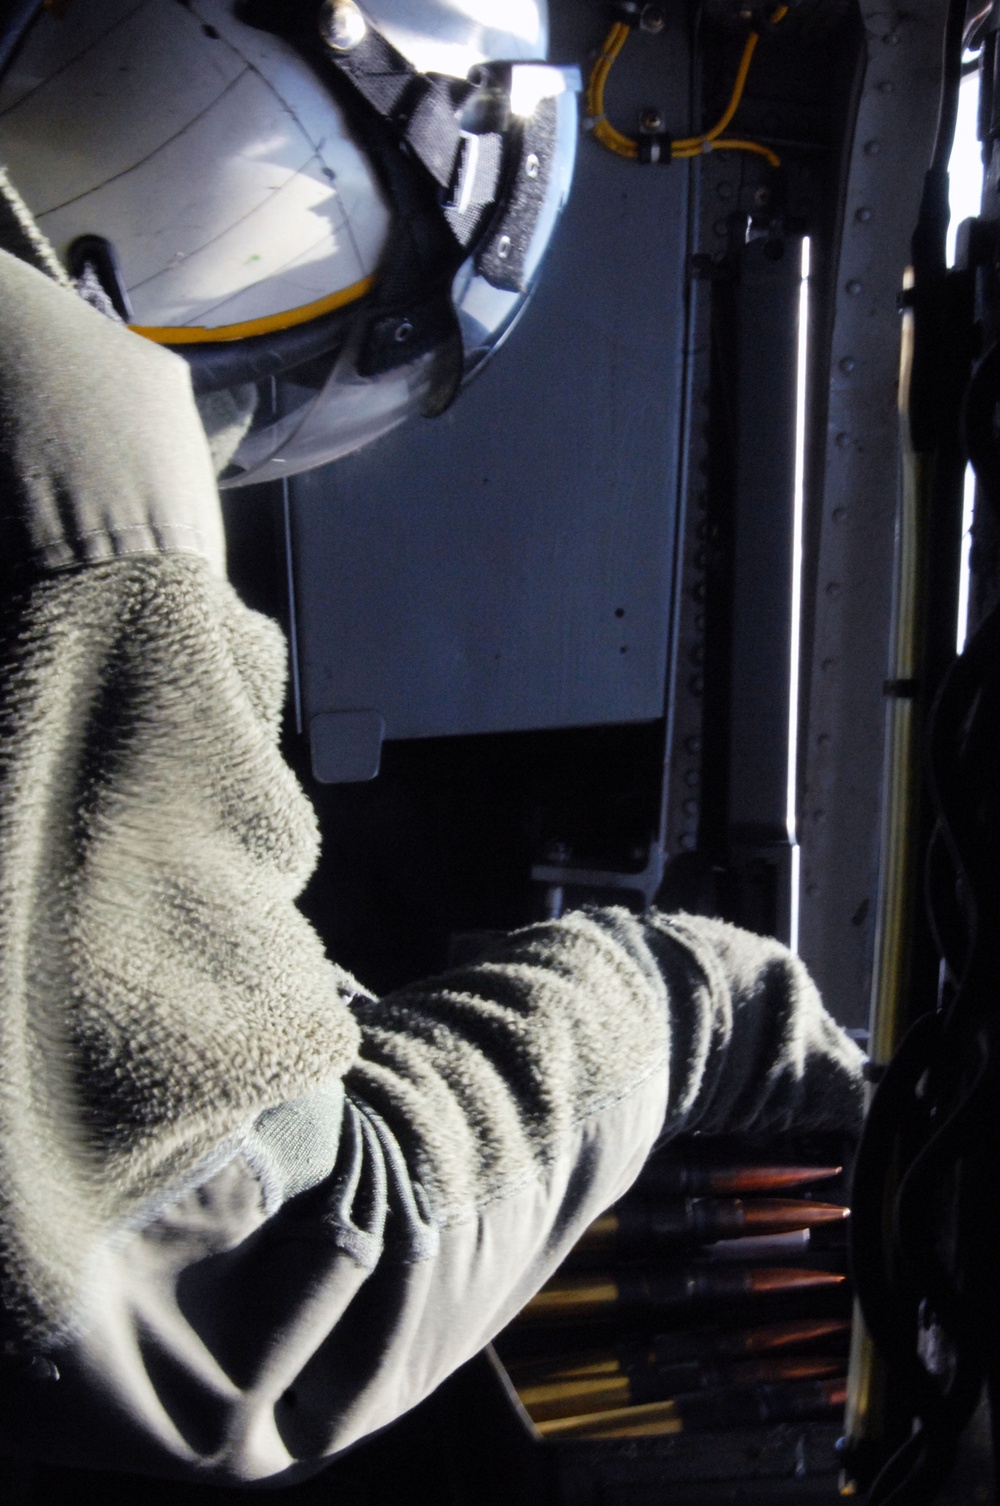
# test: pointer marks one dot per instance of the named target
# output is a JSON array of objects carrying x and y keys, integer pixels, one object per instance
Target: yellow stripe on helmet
[{"x": 196, "y": 334}]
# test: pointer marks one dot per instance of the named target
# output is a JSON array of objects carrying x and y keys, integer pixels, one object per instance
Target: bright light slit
[
  {"x": 798, "y": 513},
  {"x": 965, "y": 191},
  {"x": 965, "y": 166},
  {"x": 962, "y": 623}
]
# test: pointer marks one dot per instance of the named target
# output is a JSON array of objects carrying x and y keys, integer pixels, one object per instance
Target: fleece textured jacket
[{"x": 247, "y": 1213}]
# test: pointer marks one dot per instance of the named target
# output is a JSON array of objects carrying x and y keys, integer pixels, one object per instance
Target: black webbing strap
[
  {"x": 432, "y": 133},
  {"x": 422, "y": 111},
  {"x": 378, "y": 72},
  {"x": 474, "y": 183}
]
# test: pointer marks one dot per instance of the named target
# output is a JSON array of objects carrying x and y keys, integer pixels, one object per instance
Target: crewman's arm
[{"x": 247, "y": 1213}]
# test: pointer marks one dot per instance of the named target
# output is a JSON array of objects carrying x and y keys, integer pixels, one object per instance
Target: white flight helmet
[{"x": 334, "y": 211}]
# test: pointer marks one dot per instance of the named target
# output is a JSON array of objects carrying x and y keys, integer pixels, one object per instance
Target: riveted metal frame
[{"x": 850, "y": 546}]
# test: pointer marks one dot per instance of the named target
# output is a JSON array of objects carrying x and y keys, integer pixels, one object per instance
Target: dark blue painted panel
[{"x": 508, "y": 566}]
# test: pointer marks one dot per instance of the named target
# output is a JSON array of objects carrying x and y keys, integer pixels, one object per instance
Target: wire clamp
[{"x": 655, "y": 146}]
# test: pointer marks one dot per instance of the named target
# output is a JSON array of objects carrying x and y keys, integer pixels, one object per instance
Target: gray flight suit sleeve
[
  {"x": 249, "y": 1214},
  {"x": 490, "y": 1115}
]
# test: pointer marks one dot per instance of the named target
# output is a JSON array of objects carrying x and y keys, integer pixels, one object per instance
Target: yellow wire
[
  {"x": 733, "y": 144},
  {"x": 607, "y": 135},
  {"x": 734, "y": 98},
  {"x": 614, "y": 42},
  {"x": 686, "y": 146}
]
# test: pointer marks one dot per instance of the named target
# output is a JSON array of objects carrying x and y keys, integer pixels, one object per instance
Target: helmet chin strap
[
  {"x": 424, "y": 111},
  {"x": 421, "y": 110},
  {"x": 489, "y": 183},
  {"x": 478, "y": 152},
  {"x": 443, "y": 180}
]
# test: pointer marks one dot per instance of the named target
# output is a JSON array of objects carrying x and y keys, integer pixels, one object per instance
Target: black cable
[
  {"x": 928, "y": 374},
  {"x": 945, "y": 1210},
  {"x": 934, "y": 1124},
  {"x": 951, "y": 83},
  {"x": 914, "y": 1474},
  {"x": 894, "y": 1115},
  {"x": 977, "y": 426}
]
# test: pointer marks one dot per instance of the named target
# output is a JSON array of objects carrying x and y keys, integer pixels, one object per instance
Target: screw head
[
  {"x": 341, "y": 25},
  {"x": 531, "y": 165},
  {"x": 651, "y": 120},
  {"x": 403, "y": 331},
  {"x": 652, "y": 19}
]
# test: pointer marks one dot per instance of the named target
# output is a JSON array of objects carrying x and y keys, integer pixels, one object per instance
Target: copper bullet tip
[
  {"x": 778, "y": 1215},
  {"x": 792, "y": 1279},
  {"x": 770, "y": 1178},
  {"x": 777, "y": 1336}
]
